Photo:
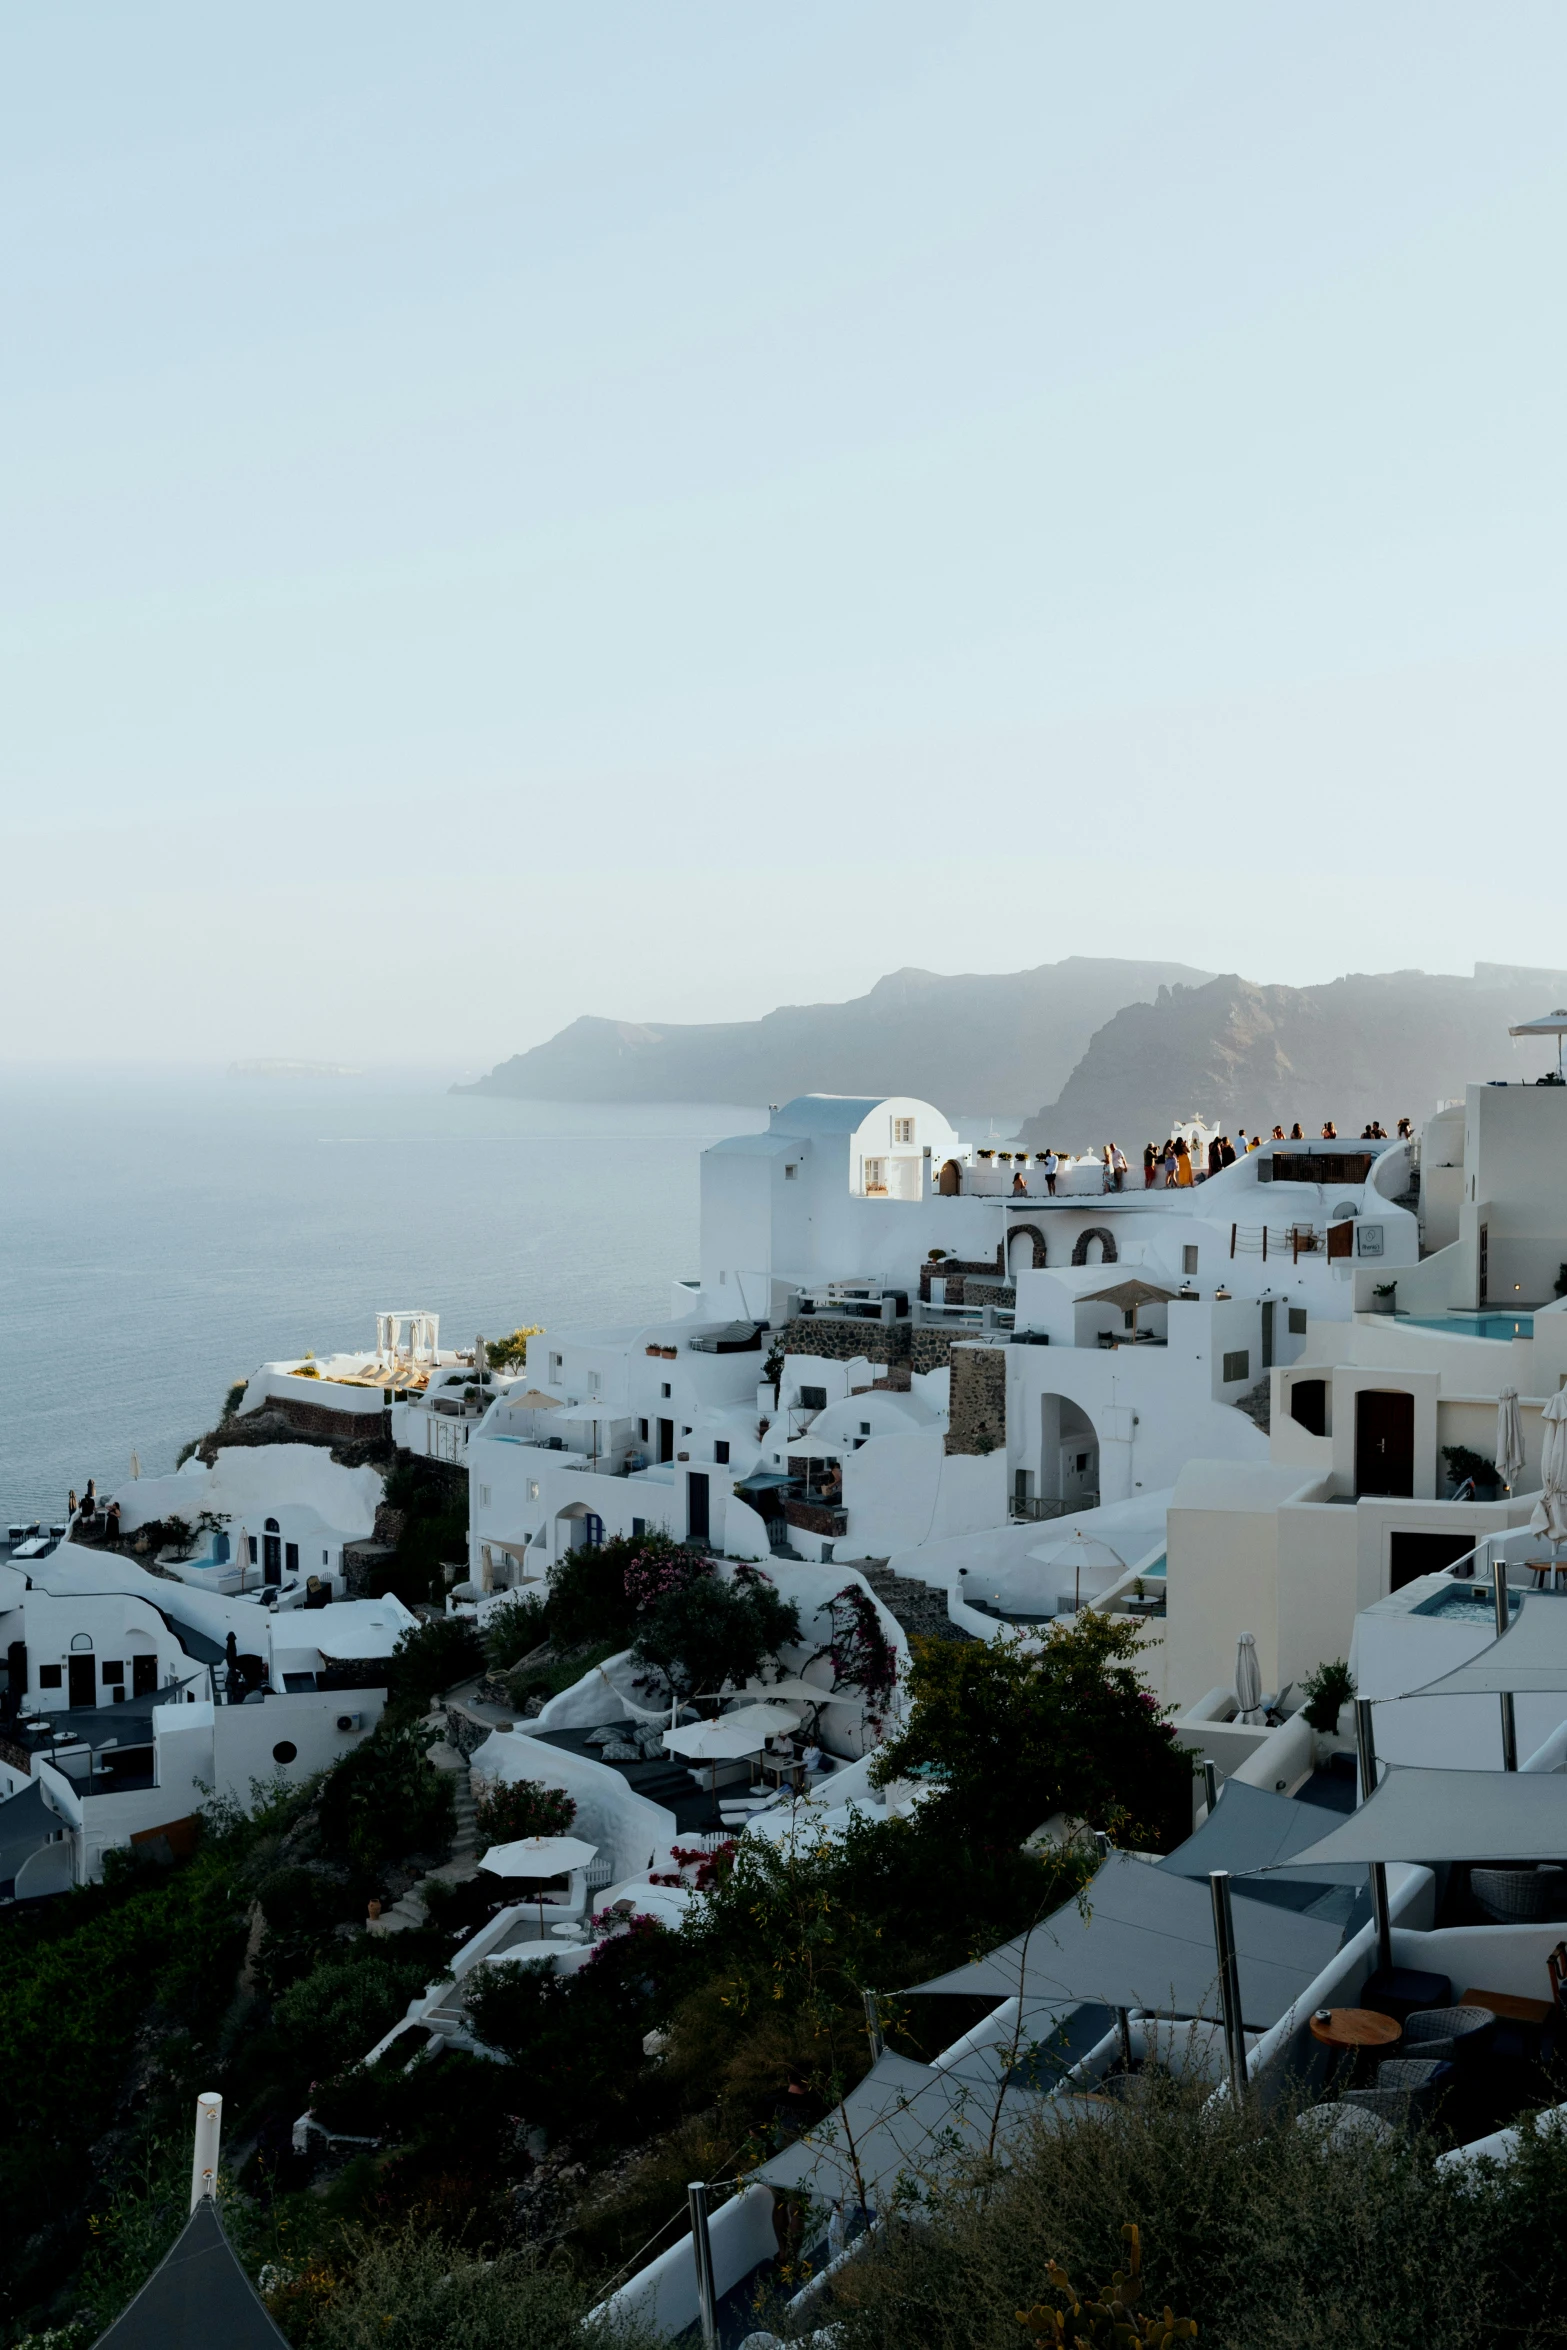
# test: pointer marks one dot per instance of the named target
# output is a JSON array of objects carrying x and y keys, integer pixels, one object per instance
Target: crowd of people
[{"x": 1176, "y": 1159}]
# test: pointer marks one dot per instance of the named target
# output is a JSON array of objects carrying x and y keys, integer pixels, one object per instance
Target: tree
[
  {"x": 703, "y": 1633},
  {"x": 598, "y": 1594},
  {"x": 511, "y": 1353},
  {"x": 1012, "y": 1731}
]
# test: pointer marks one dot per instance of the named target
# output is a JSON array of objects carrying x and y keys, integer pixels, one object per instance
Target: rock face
[
  {"x": 973, "y": 1044},
  {"x": 1386, "y": 1046}
]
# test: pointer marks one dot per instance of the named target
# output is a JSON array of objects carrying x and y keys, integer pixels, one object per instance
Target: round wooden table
[{"x": 1355, "y": 2027}]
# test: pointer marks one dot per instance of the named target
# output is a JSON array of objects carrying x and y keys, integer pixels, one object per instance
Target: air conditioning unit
[{"x": 350, "y": 1721}]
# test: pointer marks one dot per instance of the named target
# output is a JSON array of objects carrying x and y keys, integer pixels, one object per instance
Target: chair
[
  {"x": 1406, "y": 2089},
  {"x": 1518, "y": 1896},
  {"x": 1443, "y": 2032},
  {"x": 1399, "y": 1991},
  {"x": 1341, "y": 2126}
]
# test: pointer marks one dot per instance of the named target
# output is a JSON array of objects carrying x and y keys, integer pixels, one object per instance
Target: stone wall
[
  {"x": 978, "y": 1418},
  {"x": 837, "y": 1338}
]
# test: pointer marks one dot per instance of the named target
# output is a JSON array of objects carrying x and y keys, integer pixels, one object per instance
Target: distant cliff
[
  {"x": 972, "y": 1044},
  {"x": 1384, "y": 1045}
]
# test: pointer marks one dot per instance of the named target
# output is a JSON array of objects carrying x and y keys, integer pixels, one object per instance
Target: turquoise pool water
[
  {"x": 1467, "y": 1599},
  {"x": 1475, "y": 1325}
]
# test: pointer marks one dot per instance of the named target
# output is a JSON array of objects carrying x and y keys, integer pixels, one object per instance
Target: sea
[{"x": 164, "y": 1232}]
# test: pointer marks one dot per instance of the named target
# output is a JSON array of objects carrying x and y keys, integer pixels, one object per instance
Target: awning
[
  {"x": 1530, "y": 1656},
  {"x": 1427, "y": 1816},
  {"x": 26, "y": 1825},
  {"x": 197, "y": 2296},
  {"x": 1142, "y": 1937},
  {"x": 1249, "y": 1829},
  {"x": 891, "y": 2132}
]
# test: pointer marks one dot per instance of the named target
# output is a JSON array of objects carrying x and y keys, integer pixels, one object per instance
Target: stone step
[{"x": 921, "y": 1611}]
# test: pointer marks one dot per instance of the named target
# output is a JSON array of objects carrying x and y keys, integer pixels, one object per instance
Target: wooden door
[
  {"x": 1384, "y": 1441},
  {"x": 666, "y": 1440},
  {"x": 82, "y": 1675},
  {"x": 697, "y": 1523}
]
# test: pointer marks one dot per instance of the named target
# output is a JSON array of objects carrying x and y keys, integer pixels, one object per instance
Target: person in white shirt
[{"x": 1050, "y": 1163}]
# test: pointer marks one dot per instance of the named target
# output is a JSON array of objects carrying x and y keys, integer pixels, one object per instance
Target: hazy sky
[{"x": 660, "y": 510}]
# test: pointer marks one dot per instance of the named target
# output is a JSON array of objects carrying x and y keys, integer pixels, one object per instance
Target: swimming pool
[
  {"x": 1475, "y": 1325},
  {"x": 1474, "y": 1600}
]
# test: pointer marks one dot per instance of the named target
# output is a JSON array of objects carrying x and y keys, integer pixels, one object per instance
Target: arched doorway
[
  {"x": 1068, "y": 1455},
  {"x": 577, "y": 1528},
  {"x": 1096, "y": 1246},
  {"x": 950, "y": 1181},
  {"x": 1025, "y": 1249}
]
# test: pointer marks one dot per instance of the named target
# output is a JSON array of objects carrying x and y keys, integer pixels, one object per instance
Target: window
[
  {"x": 642, "y": 1430},
  {"x": 533, "y": 1489},
  {"x": 285, "y": 1751},
  {"x": 81, "y": 1640},
  {"x": 273, "y": 1527},
  {"x": 791, "y": 1172},
  {"x": 1128, "y": 1319},
  {"x": 594, "y": 1384},
  {"x": 1309, "y": 1405},
  {"x": 1082, "y": 1462},
  {"x": 813, "y": 1399},
  {"x": 903, "y": 1130},
  {"x": 1297, "y": 1321},
  {"x": 484, "y": 1503},
  {"x": 638, "y": 1529},
  {"x": 865, "y": 1427},
  {"x": 49, "y": 1677},
  {"x": 326, "y": 1559},
  {"x": 1237, "y": 1365},
  {"x": 875, "y": 1174},
  {"x": 721, "y": 1452},
  {"x": 555, "y": 1366},
  {"x": 1188, "y": 1259},
  {"x": 666, "y": 1391},
  {"x": 113, "y": 1669}
]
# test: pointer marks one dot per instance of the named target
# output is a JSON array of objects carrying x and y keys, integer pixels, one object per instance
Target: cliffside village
[{"x": 1310, "y": 1408}]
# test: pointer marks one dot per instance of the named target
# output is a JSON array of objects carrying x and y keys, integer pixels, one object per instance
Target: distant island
[
  {"x": 279, "y": 1068},
  {"x": 1114, "y": 1050}
]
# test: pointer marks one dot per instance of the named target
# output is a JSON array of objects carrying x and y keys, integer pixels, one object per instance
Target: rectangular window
[
  {"x": 49, "y": 1677},
  {"x": 865, "y": 1427},
  {"x": 1082, "y": 1462},
  {"x": 1188, "y": 1259},
  {"x": 721, "y": 1452},
  {"x": 325, "y": 1560},
  {"x": 1297, "y": 1321},
  {"x": 903, "y": 1130},
  {"x": 555, "y": 1363},
  {"x": 875, "y": 1174},
  {"x": 813, "y": 1399},
  {"x": 594, "y": 1383},
  {"x": 113, "y": 1668},
  {"x": 1237, "y": 1365},
  {"x": 790, "y": 1172},
  {"x": 638, "y": 1529},
  {"x": 642, "y": 1430},
  {"x": 665, "y": 1391}
]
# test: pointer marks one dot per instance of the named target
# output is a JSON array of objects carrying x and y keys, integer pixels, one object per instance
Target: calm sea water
[{"x": 162, "y": 1234}]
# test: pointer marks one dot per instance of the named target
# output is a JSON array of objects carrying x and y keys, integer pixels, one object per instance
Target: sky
[{"x": 660, "y": 511}]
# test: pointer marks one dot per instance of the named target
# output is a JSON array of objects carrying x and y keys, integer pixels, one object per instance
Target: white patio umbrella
[
  {"x": 1550, "y": 1024},
  {"x": 242, "y": 1554},
  {"x": 1078, "y": 1551},
  {"x": 538, "y": 1857},
  {"x": 1550, "y": 1511},
  {"x": 1248, "y": 1677},
  {"x": 1509, "y": 1438},
  {"x": 745, "y": 1731}
]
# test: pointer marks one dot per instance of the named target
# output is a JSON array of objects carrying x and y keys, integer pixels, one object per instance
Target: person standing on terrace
[{"x": 1150, "y": 1165}]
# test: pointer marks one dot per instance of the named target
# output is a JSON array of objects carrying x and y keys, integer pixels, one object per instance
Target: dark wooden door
[
  {"x": 697, "y": 1522},
  {"x": 272, "y": 1558},
  {"x": 82, "y": 1675},
  {"x": 666, "y": 1440},
  {"x": 1384, "y": 1441},
  {"x": 144, "y": 1676}
]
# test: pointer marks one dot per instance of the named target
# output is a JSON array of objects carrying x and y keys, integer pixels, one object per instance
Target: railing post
[
  {"x": 1265, "y": 1244},
  {"x": 702, "y": 2254},
  {"x": 1503, "y": 1622}
]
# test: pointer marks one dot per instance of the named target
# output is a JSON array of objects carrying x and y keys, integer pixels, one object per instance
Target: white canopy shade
[
  {"x": 1428, "y": 1816},
  {"x": 1530, "y": 1657},
  {"x": 1550, "y": 1511},
  {"x": 792, "y": 1690},
  {"x": 731, "y": 1735},
  {"x": 538, "y": 1856}
]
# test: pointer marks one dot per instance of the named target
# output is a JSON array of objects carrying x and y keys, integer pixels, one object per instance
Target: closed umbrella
[
  {"x": 135, "y": 1464},
  {"x": 1509, "y": 1438},
  {"x": 1248, "y": 1677},
  {"x": 242, "y": 1553},
  {"x": 1550, "y": 1511}
]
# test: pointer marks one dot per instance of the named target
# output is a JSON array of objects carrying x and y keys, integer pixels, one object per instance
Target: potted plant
[
  {"x": 1328, "y": 1691},
  {"x": 1385, "y": 1294}
]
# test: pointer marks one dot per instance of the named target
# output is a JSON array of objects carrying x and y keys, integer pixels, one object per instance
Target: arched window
[
  {"x": 81, "y": 1640},
  {"x": 273, "y": 1527}
]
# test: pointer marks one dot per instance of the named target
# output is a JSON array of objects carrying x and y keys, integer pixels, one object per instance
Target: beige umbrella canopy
[
  {"x": 1129, "y": 1295},
  {"x": 1549, "y": 1024},
  {"x": 535, "y": 1400}
]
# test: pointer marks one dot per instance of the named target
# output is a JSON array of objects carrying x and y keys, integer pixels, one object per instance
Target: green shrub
[
  {"x": 430, "y": 1658},
  {"x": 1327, "y": 1691},
  {"x": 414, "y": 2291},
  {"x": 344, "y": 2005},
  {"x": 514, "y": 1630},
  {"x": 1462, "y": 1463},
  {"x": 384, "y": 1802},
  {"x": 522, "y": 1807},
  {"x": 704, "y": 1632},
  {"x": 599, "y": 1594}
]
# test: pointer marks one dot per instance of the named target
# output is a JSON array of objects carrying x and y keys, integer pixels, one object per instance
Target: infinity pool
[{"x": 1475, "y": 1325}]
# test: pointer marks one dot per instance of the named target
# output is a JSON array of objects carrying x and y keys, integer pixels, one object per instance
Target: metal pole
[
  {"x": 1503, "y": 1621},
  {"x": 1210, "y": 1781},
  {"x": 873, "y": 2026},
  {"x": 702, "y": 2253},
  {"x": 1229, "y": 1980},
  {"x": 1366, "y": 1746},
  {"x": 204, "y": 2161}
]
